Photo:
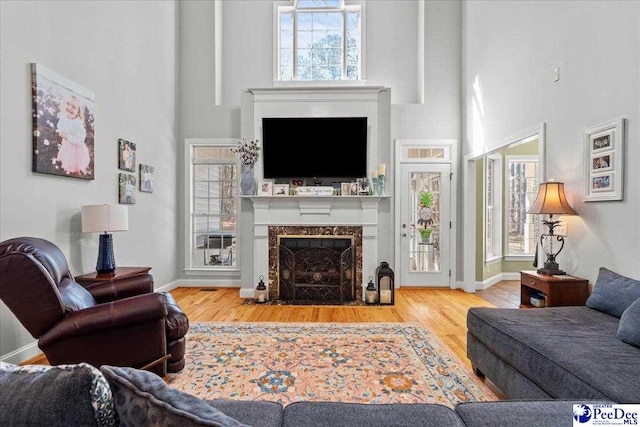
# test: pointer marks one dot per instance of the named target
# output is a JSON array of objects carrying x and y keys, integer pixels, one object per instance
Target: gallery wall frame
[
  {"x": 63, "y": 125},
  {"x": 604, "y": 161}
]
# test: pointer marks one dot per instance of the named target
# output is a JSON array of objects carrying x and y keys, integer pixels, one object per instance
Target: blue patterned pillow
[
  {"x": 613, "y": 293},
  {"x": 629, "y": 327},
  {"x": 143, "y": 399},
  {"x": 55, "y": 396}
]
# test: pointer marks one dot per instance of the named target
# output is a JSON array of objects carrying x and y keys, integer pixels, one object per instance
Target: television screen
[{"x": 314, "y": 147}]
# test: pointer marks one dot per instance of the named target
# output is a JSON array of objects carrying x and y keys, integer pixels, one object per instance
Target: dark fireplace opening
[{"x": 316, "y": 270}]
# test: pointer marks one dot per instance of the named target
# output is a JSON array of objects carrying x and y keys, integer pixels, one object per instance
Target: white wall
[
  {"x": 393, "y": 52},
  {"x": 125, "y": 52},
  {"x": 511, "y": 49}
]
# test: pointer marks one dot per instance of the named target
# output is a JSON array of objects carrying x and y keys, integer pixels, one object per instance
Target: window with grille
[
  {"x": 319, "y": 40},
  {"x": 213, "y": 211},
  {"x": 493, "y": 204},
  {"x": 521, "y": 229}
]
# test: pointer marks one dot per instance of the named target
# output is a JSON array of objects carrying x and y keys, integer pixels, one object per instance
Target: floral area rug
[{"x": 334, "y": 362}]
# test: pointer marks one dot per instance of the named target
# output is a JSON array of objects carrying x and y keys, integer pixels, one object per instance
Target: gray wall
[
  {"x": 511, "y": 49},
  {"x": 125, "y": 52},
  {"x": 392, "y": 60}
]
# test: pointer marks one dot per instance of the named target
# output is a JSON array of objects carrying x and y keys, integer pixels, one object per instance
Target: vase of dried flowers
[{"x": 247, "y": 154}]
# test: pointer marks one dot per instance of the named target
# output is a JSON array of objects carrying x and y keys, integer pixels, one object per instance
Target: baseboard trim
[
  {"x": 487, "y": 283},
  {"x": 22, "y": 354}
]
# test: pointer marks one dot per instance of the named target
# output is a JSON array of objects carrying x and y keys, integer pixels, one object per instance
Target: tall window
[
  {"x": 213, "y": 210},
  {"x": 493, "y": 205},
  {"x": 319, "y": 40},
  {"x": 522, "y": 188}
]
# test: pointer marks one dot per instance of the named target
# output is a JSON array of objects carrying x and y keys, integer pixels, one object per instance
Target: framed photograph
[
  {"x": 345, "y": 189},
  {"x": 265, "y": 188},
  {"x": 363, "y": 186},
  {"x": 604, "y": 161},
  {"x": 126, "y": 155},
  {"x": 63, "y": 125},
  {"x": 296, "y": 183},
  {"x": 126, "y": 188},
  {"x": 280, "y": 189},
  {"x": 146, "y": 178}
]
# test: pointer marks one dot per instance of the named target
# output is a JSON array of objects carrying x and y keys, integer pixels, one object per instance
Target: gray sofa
[
  {"x": 80, "y": 395},
  {"x": 587, "y": 352}
]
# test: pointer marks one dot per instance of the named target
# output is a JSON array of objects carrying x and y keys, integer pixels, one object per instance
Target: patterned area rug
[{"x": 336, "y": 362}]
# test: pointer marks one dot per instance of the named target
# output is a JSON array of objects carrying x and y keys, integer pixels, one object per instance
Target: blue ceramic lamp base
[{"x": 106, "y": 261}]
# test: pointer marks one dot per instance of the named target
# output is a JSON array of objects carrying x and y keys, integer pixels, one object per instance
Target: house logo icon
[{"x": 582, "y": 413}]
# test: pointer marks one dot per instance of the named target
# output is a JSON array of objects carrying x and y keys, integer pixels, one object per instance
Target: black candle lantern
[
  {"x": 370, "y": 294},
  {"x": 261, "y": 291},
  {"x": 384, "y": 277}
]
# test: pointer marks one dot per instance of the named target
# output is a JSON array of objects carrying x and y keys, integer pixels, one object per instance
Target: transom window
[{"x": 319, "y": 40}]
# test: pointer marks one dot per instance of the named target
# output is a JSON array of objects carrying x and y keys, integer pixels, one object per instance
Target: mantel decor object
[
  {"x": 551, "y": 200},
  {"x": 105, "y": 218},
  {"x": 248, "y": 155},
  {"x": 382, "y": 171}
]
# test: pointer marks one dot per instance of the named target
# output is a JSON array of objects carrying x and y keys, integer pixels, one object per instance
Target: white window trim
[
  {"x": 190, "y": 144},
  {"x": 498, "y": 191},
  {"x": 509, "y": 256},
  {"x": 280, "y": 5}
]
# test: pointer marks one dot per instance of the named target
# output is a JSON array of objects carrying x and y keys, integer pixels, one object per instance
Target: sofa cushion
[
  {"x": 538, "y": 413},
  {"x": 569, "y": 352},
  {"x": 143, "y": 399},
  {"x": 613, "y": 293},
  {"x": 328, "y": 414},
  {"x": 63, "y": 395},
  {"x": 629, "y": 329}
]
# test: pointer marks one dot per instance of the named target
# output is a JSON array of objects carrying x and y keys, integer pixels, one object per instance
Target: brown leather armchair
[{"x": 71, "y": 327}]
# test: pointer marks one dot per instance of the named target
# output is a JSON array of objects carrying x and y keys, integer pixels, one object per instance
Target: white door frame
[
  {"x": 469, "y": 195},
  {"x": 399, "y": 148}
]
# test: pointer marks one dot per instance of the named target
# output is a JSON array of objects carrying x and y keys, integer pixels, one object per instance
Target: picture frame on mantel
[{"x": 604, "y": 161}]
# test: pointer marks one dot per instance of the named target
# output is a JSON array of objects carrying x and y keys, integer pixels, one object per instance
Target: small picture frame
[
  {"x": 296, "y": 183},
  {"x": 126, "y": 155},
  {"x": 604, "y": 161},
  {"x": 126, "y": 189},
  {"x": 265, "y": 188},
  {"x": 345, "y": 189},
  {"x": 146, "y": 178},
  {"x": 363, "y": 186},
  {"x": 280, "y": 189}
]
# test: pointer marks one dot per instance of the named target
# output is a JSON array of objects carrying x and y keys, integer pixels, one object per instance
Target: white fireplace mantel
[{"x": 314, "y": 211}]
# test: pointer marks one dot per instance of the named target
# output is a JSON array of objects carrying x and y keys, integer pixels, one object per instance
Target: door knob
[{"x": 403, "y": 234}]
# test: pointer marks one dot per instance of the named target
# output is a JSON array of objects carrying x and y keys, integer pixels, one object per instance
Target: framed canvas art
[
  {"x": 604, "y": 161},
  {"x": 126, "y": 188},
  {"x": 63, "y": 125},
  {"x": 126, "y": 155},
  {"x": 146, "y": 178}
]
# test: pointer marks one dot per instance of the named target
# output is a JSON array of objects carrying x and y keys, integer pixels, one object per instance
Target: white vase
[{"x": 247, "y": 180}]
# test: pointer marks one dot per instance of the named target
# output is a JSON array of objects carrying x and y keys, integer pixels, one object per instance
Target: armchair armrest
[
  {"x": 116, "y": 289},
  {"x": 117, "y": 314}
]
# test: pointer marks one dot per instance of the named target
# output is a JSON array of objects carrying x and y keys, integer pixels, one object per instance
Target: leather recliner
[{"x": 124, "y": 329}]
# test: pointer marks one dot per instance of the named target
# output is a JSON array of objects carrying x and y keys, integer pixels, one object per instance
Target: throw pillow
[
  {"x": 143, "y": 399},
  {"x": 629, "y": 327},
  {"x": 613, "y": 293},
  {"x": 63, "y": 395}
]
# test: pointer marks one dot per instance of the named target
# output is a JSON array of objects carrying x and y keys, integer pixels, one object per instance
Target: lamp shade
[
  {"x": 551, "y": 200},
  {"x": 104, "y": 218}
]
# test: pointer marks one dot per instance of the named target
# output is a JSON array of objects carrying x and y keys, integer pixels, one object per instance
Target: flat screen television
[{"x": 314, "y": 147}]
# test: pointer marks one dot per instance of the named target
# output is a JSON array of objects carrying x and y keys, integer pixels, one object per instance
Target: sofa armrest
[
  {"x": 117, "y": 289},
  {"x": 118, "y": 314}
]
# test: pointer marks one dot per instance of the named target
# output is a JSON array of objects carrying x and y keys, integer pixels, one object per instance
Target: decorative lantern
[
  {"x": 384, "y": 276},
  {"x": 262, "y": 295},
  {"x": 370, "y": 294}
]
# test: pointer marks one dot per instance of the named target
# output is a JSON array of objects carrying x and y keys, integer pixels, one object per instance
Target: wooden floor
[{"x": 443, "y": 311}]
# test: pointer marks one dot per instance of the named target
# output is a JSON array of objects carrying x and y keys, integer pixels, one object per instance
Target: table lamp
[
  {"x": 552, "y": 201},
  {"x": 105, "y": 218}
]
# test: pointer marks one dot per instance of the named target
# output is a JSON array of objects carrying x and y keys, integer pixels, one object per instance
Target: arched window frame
[{"x": 294, "y": 8}]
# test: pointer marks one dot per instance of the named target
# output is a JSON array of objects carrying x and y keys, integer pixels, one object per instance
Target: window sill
[
  {"x": 519, "y": 258},
  {"x": 493, "y": 260},
  {"x": 318, "y": 83}
]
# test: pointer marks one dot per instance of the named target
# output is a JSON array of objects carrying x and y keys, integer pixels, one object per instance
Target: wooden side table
[
  {"x": 558, "y": 290},
  {"x": 119, "y": 273}
]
